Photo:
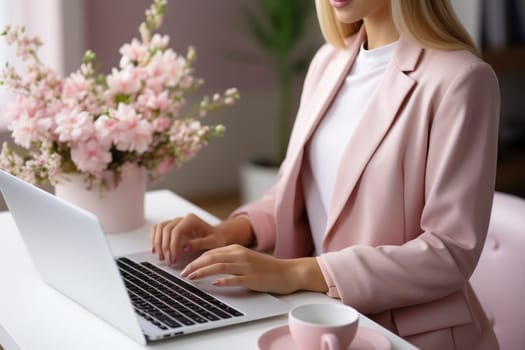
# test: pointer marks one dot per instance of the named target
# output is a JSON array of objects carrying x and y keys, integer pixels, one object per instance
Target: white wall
[
  {"x": 60, "y": 26},
  {"x": 74, "y": 33},
  {"x": 470, "y": 14},
  {"x": 41, "y": 18}
]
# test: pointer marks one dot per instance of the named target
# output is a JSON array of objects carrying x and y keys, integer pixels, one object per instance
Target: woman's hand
[
  {"x": 191, "y": 234},
  {"x": 257, "y": 271}
]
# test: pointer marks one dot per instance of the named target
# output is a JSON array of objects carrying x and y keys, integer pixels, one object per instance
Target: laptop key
[
  {"x": 199, "y": 293},
  {"x": 162, "y": 295},
  {"x": 168, "y": 321}
]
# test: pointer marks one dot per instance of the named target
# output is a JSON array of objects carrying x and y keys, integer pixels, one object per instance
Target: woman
[{"x": 384, "y": 197}]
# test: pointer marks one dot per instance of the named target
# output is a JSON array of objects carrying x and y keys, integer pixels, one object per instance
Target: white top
[{"x": 326, "y": 147}]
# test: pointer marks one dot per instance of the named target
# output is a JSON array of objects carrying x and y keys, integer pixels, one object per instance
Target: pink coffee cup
[{"x": 327, "y": 326}]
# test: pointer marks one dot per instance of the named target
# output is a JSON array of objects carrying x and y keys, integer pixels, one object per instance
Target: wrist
[
  {"x": 306, "y": 274},
  {"x": 236, "y": 230}
]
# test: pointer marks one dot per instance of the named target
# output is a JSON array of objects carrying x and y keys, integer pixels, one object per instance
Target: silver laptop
[{"x": 143, "y": 299}]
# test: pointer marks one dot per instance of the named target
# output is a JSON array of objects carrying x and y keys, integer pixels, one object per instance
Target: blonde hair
[{"x": 431, "y": 23}]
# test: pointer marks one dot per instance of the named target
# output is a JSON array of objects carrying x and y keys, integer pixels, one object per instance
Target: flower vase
[{"x": 119, "y": 209}]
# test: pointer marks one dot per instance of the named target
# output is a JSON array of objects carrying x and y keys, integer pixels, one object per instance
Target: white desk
[{"x": 38, "y": 317}]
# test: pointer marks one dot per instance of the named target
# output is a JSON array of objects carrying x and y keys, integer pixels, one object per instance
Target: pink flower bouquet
[{"x": 90, "y": 124}]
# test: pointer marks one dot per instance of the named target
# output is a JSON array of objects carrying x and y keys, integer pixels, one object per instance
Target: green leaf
[
  {"x": 278, "y": 25},
  {"x": 122, "y": 98},
  {"x": 258, "y": 30}
]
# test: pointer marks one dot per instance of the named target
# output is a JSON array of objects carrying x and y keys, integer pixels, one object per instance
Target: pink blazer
[{"x": 413, "y": 193}]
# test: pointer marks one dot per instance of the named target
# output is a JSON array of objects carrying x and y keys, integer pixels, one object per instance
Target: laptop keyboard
[{"x": 167, "y": 301}]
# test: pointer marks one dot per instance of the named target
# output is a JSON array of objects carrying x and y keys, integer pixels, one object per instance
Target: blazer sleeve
[
  {"x": 261, "y": 213},
  {"x": 459, "y": 187}
]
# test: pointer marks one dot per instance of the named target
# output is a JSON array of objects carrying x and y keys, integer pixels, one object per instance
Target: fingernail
[
  {"x": 216, "y": 283},
  {"x": 184, "y": 272},
  {"x": 186, "y": 248},
  {"x": 191, "y": 276}
]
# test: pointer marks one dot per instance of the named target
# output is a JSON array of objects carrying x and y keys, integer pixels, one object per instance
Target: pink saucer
[{"x": 365, "y": 339}]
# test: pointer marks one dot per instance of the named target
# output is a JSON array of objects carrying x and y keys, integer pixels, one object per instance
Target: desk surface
[{"x": 38, "y": 317}]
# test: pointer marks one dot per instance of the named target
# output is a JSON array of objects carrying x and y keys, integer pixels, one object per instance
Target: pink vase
[{"x": 119, "y": 209}]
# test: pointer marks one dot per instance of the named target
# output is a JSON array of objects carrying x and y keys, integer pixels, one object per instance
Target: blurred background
[{"x": 229, "y": 56}]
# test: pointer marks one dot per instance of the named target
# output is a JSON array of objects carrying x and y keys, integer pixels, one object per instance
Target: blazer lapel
[
  {"x": 323, "y": 95},
  {"x": 325, "y": 92},
  {"x": 375, "y": 122}
]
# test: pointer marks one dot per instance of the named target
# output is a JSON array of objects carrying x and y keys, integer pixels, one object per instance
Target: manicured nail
[
  {"x": 186, "y": 248},
  {"x": 184, "y": 272}
]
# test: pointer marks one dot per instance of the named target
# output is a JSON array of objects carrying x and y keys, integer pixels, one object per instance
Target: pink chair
[{"x": 499, "y": 278}]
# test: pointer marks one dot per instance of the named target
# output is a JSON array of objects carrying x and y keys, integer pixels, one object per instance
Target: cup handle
[{"x": 329, "y": 342}]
